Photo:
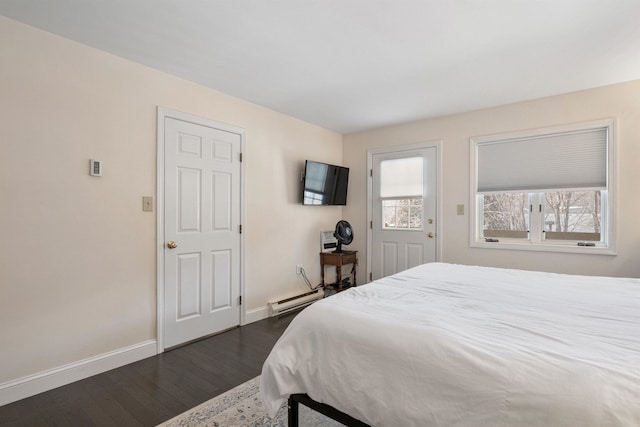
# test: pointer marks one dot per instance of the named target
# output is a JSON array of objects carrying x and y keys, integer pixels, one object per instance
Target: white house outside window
[{"x": 548, "y": 189}]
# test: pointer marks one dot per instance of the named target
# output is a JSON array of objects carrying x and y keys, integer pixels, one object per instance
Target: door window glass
[
  {"x": 402, "y": 214},
  {"x": 401, "y": 193}
]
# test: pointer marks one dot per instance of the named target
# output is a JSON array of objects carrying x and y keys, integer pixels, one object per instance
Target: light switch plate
[
  {"x": 460, "y": 209},
  {"x": 147, "y": 204}
]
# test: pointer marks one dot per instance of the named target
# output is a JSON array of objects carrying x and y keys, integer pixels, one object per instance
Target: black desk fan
[{"x": 344, "y": 234}]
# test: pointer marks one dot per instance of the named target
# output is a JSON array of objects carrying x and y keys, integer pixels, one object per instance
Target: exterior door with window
[{"x": 403, "y": 210}]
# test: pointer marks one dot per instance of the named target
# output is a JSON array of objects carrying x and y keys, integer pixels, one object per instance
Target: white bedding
[{"x": 450, "y": 345}]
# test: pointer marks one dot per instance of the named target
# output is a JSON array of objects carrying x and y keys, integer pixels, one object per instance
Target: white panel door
[
  {"x": 201, "y": 230},
  {"x": 403, "y": 210}
]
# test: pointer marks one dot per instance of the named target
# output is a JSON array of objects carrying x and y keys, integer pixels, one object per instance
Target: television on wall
[{"x": 324, "y": 184}]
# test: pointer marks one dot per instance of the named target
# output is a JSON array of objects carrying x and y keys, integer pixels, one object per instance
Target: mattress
[{"x": 452, "y": 345}]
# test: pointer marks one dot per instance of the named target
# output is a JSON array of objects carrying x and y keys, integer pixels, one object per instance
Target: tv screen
[{"x": 324, "y": 184}]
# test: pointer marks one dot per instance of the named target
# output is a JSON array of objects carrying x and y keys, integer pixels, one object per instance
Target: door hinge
[
  {"x": 240, "y": 300},
  {"x": 240, "y": 157},
  {"x": 371, "y": 173},
  {"x": 240, "y": 228},
  {"x": 370, "y": 276},
  {"x": 371, "y": 225}
]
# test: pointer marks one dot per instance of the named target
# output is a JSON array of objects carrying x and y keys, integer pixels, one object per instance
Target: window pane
[
  {"x": 402, "y": 214},
  {"x": 401, "y": 177},
  {"x": 572, "y": 215},
  {"x": 415, "y": 217},
  {"x": 506, "y": 215}
]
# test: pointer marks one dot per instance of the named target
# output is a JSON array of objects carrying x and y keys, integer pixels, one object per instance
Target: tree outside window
[{"x": 566, "y": 215}]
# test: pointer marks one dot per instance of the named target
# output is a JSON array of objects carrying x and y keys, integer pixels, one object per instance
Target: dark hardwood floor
[{"x": 156, "y": 389}]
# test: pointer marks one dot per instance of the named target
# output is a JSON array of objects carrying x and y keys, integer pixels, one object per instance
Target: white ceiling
[{"x": 352, "y": 65}]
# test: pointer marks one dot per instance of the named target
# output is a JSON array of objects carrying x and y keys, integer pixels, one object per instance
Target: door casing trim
[
  {"x": 162, "y": 114},
  {"x": 437, "y": 144}
]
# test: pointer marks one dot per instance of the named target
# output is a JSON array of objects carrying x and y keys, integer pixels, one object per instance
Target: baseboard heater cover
[{"x": 286, "y": 305}]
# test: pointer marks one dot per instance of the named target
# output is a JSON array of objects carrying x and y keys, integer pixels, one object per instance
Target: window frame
[{"x": 535, "y": 240}]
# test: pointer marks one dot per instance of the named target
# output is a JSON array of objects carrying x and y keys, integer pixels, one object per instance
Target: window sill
[{"x": 544, "y": 247}]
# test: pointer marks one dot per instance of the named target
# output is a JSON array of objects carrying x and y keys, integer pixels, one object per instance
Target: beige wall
[
  {"x": 77, "y": 263},
  {"x": 620, "y": 101}
]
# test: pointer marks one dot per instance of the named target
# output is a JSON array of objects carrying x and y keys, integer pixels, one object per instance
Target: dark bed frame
[{"x": 323, "y": 408}]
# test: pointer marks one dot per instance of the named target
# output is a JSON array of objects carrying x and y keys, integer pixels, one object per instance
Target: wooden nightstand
[{"x": 339, "y": 259}]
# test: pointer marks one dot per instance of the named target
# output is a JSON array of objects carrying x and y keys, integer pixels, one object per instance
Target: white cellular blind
[
  {"x": 401, "y": 178},
  {"x": 560, "y": 160}
]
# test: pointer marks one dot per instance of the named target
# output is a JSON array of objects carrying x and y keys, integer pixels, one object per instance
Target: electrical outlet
[
  {"x": 460, "y": 209},
  {"x": 299, "y": 268}
]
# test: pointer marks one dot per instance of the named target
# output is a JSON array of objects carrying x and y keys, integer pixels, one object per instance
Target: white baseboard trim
[
  {"x": 256, "y": 314},
  {"x": 31, "y": 385}
]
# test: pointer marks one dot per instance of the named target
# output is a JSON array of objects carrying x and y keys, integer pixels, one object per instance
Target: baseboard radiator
[{"x": 286, "y": 305}]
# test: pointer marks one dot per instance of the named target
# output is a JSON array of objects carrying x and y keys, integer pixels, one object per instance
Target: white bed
[{"x": 451, "y": 345}]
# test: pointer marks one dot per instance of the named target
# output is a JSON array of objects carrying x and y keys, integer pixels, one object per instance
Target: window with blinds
[{"x": 547, "y": 188}]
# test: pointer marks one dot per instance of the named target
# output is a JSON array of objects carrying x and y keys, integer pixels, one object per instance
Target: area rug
[{"x": 242, "y": 407}]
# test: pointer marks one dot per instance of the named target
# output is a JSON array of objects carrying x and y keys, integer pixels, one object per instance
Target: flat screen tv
[{"x": 324, "y": 184}]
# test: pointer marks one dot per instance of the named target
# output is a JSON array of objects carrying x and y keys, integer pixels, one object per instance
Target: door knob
[
  {"x": 171, "y": 244},
  {"x": 431, "y": 235}
]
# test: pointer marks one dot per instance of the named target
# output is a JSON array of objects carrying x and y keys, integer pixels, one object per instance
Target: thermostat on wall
[{"x": 96, "y": 168}]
